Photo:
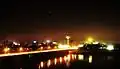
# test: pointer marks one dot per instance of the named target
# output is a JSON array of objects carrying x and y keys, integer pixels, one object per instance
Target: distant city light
[
  {"x": 15, "y": 43},
  {"x": 90, "y": 59},
  {"x": 80, "y": 57},
  {"x": 34, "y": 41},
  {"x": 54, "y": 42},
  {"x": 42, "y": 64},
  {"x": 80, "y": 45},
  {"x": 49, "y": 47},
  {"x": 55, "y": 61},
  {"x": 90, "y": 39},
  {"x": 110, "y": 47},
  {"x": 63, "y": 46},
  {"x": 67, "y": 37},
  {"x": 20, "y": 49},
  {"x": 49, "y": 63},
  {"x": 41, "y": 47},
  {"x": 6, "y": 49},
  {"x": 60, "y": 59},
  {"x": 95, "y": 42},
  {"x": 48, "y": 41}
]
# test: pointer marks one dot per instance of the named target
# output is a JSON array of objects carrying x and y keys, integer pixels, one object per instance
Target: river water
[{"x": 60, "y": 61}]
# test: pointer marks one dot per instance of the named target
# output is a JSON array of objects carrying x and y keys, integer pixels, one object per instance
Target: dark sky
[{"x": 53, "y": 19}]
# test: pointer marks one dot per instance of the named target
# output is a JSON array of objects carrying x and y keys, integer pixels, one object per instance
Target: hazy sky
[{"x": 53, "y": 19}]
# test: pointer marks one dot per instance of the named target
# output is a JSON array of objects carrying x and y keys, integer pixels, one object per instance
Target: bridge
[{"x": 33, "y": 52}]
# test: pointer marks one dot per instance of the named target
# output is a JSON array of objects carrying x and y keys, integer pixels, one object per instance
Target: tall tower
[{"x": 68, "y": 40}]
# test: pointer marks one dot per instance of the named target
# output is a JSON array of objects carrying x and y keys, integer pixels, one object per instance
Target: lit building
[{"x": 68, "y": 40}]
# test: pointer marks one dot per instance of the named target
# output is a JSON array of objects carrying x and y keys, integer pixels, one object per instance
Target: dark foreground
[{"x": 59, "y": 60}]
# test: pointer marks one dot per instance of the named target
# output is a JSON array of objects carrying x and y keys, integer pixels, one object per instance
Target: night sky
[{"x": 52, "y": 20}]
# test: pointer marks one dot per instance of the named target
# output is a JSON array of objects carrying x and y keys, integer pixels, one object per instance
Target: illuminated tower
[{"x": 68, "y": 40}]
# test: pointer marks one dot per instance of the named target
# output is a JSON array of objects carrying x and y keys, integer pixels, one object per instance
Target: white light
[
  {"x": 54, "y": 42},
  {"x": 95, "y": 42},
  {"x": 19, "y": 44},
  {"x": 90, "y": 59},
  {"x": 81, "y": 45},
  {"x": 110, "y": 47},
  {"x": 49, "y": 47},
  {"x": 6, "y": 49},
  {"x": 49, "y": 63},
  {"x": 34, "y": 41},
  {"x": 15, "y": 43},
  {"x": 67, "y": 37},
  {"x": 60, "y": 59},
  {"x": 42, "y": 64},
  {"x": 80, "y": 57},
  {"x": 21, "y": 49},
  {"x": 63, "y": 46},
  {"x": 48, "y": 41},
  {"x": 41, "y": 47},
  {"x": 55, "y": 61}
]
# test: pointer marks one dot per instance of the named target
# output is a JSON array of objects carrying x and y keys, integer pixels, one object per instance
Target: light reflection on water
[
  {"x": 90, "y": 59},
  {"x": 63, "y": 60},
  {"x": 80, "y": 57}
]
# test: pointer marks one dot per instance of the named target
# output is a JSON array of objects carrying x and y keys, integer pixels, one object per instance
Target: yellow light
[
  {"x": 95, "y": 42},
  {"x": 67, "y": 37},
  {"x": 48, "y": 41},
  {"x": 68, "y": 57},
  {"x": 49, "y": 47},
  {"x": 21, "y": 49},
  {"x": 80, "y": 57},
  {"x": 72, "y": 56},
  {"x": 63, "y": 46},
  {"x": 104, "y": 43},
  {"x": 81, "y": 45},
  {"x": 6, "y": 49},
  {"x": 41, "y": 64},
  {"x": 90, "y": 39},
  {"x": 55, "y": 61},
  {"x": 55, "y": 47},
  {"x": 60, "y": 59},
  {"x": 54, "y": 42},
  {"x": 90, "y": 59},
  {"x": 65, "y": 58},
  {"x": 49, "y": 63},
  {"x": 41, "y": 47},
  {"x": 75, "y": 56},
  {"x": 110, "y": 47}
]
